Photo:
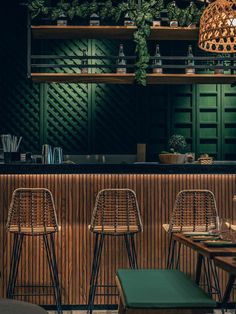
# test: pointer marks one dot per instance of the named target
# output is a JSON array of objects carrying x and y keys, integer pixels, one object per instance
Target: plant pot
[{"x": 172, "y": 158}]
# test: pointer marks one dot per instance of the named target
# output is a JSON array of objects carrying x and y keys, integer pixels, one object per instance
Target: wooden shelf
[
  {"x": 112, "y": 78},
  {"x": 111, "y": 32}
]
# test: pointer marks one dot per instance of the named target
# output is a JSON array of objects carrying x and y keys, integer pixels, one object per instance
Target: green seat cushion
[{"x": 161, "y": 288}]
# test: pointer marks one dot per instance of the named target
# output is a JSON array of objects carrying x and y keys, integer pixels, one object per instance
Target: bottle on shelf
[
  {"x": 121, "y": 61},
  {"x": 62, "y": 20},
  {"x": 220, "y": 66},
  {"x": 94, "y": 20},
  {"x": 164, "y": 18},
  {"x": 156, "y": 20},
  {"x": 84, "y": 63},
  {"x": 174, "y": 23},
  {"x": 190, "y": 68},
  {"x": 157, "y": 62},
  {"x": 128, "y": 21}
]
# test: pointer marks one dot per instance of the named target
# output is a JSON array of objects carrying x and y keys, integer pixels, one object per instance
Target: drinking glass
[
  {"x": 225, "y": 228},
  {"x": 57, "y": 155}
]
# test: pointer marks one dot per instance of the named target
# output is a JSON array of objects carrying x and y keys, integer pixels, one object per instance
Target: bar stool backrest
[
  {"x": 32, "y": 211},
  {"x": 116, "y": 211},
  {"x": 194, "y": 210}
]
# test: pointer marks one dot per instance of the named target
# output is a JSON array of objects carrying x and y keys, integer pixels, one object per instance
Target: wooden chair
[
  {"x": 32, "y": 213},
  {"x": 116, "y": 213},
  {"x": 158, "y": 291}
]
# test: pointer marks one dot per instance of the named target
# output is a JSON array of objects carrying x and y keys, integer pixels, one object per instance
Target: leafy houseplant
[
  {"x": 176, "y": 145},
  {"x": 38, "y": 7},
  {"x": 173, "y": 12}
]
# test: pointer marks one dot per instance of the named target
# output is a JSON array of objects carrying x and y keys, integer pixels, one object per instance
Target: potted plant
[
  {"x": 176, "y": 145},
  {"x": 173, "y": 13}
]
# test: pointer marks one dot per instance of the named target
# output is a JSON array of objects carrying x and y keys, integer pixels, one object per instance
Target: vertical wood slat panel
[{"x": 74, "y": 199}]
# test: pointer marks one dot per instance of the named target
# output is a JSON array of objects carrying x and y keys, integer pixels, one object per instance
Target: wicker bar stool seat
[
  {"x": 32, "y": 213},
  {"x": 116, "y": 213},
  {"x": 194, "y": 210}
]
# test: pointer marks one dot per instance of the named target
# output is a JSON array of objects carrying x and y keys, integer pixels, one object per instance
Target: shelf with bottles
[{"x": 161, "y": 69}]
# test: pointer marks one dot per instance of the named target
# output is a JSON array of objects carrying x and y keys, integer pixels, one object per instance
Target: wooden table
[
  {"x": 205, "y": 253},
  {"x": 227, "y": 263}
]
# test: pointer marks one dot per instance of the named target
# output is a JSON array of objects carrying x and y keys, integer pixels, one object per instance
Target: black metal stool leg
[
  {"x": 129, "y": 251},
  {"x": 16, "y": 254},
  {"x": 215, "y": 280},
  {"x": 207, "y": 276},
  {"x": 133, "y": 250},
  {"x": 58, "y": 289},
  {"x": 169, "y": 251},
  {"x": 172, "y": 254},
  {"x": 178, "y": 256},
  {"x": 53, "y": 271},
  {"x": 95, "y": 275},
  {"x": 95, "y": 253},
  {"x": 199, "y": 268},
  {"x": 228, "y": 290},
  {"x": 12, "y": 265}
]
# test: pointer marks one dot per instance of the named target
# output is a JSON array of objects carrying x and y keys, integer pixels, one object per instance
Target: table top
[
  {"x": 228, "y": 263},
  {"x": 209, "y": 252}
]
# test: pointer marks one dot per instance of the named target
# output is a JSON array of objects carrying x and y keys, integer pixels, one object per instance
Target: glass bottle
[
  {"x": 190, "y": 68},
  {"x": 220, "y": 66},
  {"x": 157, "y": 61},
  {"x": 94, "y": 20},
  {"x": 62, "y": 20},
  {"x": 121, "y": 61},
  {"x": 84, "y": 62},
  {"x": 128, "y": 21},
  {"x": 156, "y": 20}
]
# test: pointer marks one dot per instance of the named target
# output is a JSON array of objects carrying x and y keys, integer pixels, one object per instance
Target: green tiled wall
[{"x": 90, "y": 118}]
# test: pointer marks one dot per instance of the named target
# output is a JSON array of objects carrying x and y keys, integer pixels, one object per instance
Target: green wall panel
[{"x": 98, "y": 118}]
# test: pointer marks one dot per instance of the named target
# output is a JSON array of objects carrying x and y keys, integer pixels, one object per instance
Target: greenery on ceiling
[{"x": 141, "y": 13}]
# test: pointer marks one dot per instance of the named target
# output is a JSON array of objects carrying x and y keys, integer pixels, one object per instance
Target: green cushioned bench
[{"x": 160, "y": 291}]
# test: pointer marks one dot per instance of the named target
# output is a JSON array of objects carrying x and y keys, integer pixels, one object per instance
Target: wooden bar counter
[{"x": 74, "y": 188}]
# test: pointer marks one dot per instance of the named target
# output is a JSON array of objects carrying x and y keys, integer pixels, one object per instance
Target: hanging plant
[
  {"x": 37, "y": 7},
  {"x": 108, "y": 10},
  {"x": 173, "y": 11},
  {"x": 71, "y": 12},
  {"x": 143, "y": 18},
  {"x": 189, "y": 15},
  {"x": 61, "y": 9}
]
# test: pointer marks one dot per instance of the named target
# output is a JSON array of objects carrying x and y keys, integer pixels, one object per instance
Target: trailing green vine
[{"x": 37, "y": 7}]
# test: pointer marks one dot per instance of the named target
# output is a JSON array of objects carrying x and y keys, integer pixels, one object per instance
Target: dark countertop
[{"x": 139, "y": 168}]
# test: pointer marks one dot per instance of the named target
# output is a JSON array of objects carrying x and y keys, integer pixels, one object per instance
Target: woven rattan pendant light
[{"x": 217, "y": 32}]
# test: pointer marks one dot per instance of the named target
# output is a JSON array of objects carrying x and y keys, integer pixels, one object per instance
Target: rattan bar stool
[
  {"x": 116, "y": 213},
  {"x": 194, "y": 210},
  {"x": 32, "y": 213}
]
